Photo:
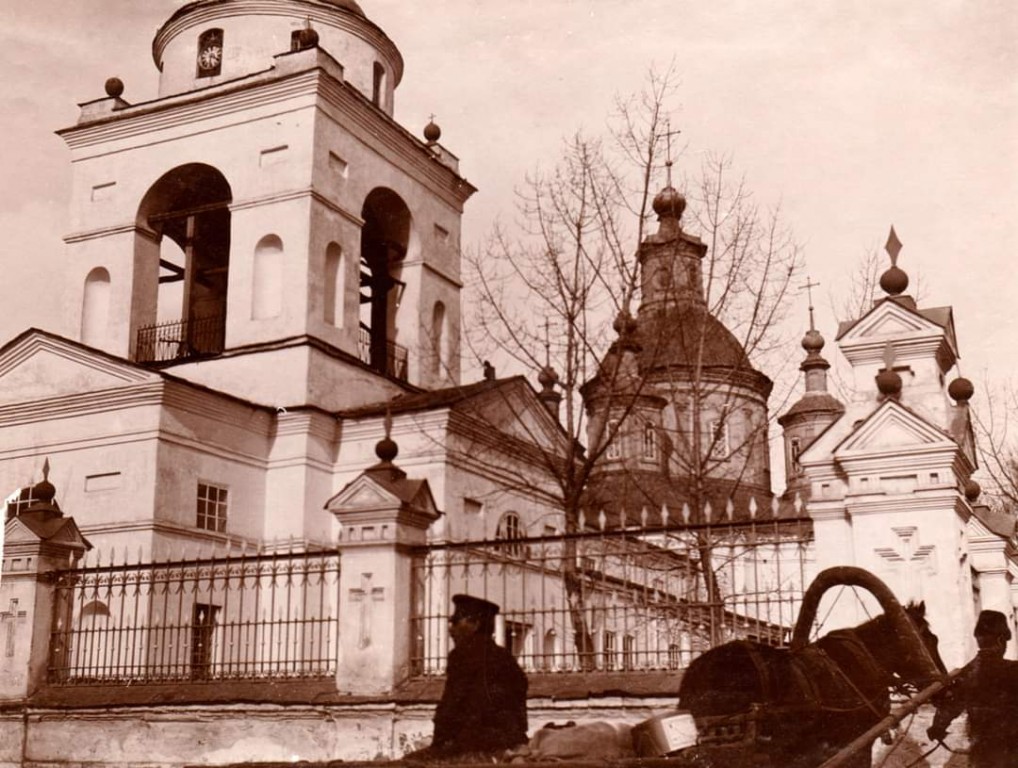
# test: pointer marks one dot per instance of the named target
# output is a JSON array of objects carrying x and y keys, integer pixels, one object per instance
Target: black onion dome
[{"x": 813, "y": 402}]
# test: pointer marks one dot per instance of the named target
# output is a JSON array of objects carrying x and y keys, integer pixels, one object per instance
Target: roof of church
[
  {"x": 814, "y": 402},
  {"x": 685, "y": 334},
  {"x": 942, "y": 316},
  {"x": 996, "y": 521},
  {"x": 436, "y": 398},
  {"x": 346, "y": 5}
]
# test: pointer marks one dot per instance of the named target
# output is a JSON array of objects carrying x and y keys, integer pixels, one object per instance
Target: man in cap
[
  {"x": 483, "y": 710},
  {"x": 988, "y": 690}
]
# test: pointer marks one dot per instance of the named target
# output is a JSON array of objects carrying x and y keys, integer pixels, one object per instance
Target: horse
[{"x": 807, "y": 703}]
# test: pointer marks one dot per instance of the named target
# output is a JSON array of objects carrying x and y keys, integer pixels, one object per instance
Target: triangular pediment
[
  {"x": 892, "y": 426},
  {"x": 16, "y": 532},
  {"x": 514, "y": 410},
  {"x": 362, "y": 493},
  {"x": 888, "y": 319},
  {"x": 39, "y": 366}
]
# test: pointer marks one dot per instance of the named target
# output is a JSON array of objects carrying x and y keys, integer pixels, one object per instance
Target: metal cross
[
  {"x": 809, "y": 286},
  {"x": 893, "y": 246},
  {"x": 668, "y": 143}
]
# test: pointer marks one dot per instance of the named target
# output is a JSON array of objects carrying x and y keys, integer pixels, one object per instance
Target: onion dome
[
  {"x": 114, "y": 87},
  {"x": 894, "y": 281},
  {"x": 669, "y": 203},
  {"x": 961, "y": 390},
  {"x": 432, "y": 132},
  {"x": 972, "y": 490},
  {"x": 307, "y": 38},
  {"x": 889, "y": 383},
  {"x": 386, "y": 449},
  {"x": 813, "y": 341},
  {"x": 547, "y": 378}
]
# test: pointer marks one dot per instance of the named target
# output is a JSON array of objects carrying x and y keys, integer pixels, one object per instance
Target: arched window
[
  {"x": 549, "y": 655},
  {"x": 437, "y": 338},
  {"x": 335, "y": 285},
  {"x": 267, "y": 280},
  {"x": 210, "y": 53},
  {"x": 649, "y": 441},
  {"x": 378, "y": 85},
  {"x": 510, "y": 530},
  {"x": 613, "y": 433},
  {"x": 95, "y": 307}
]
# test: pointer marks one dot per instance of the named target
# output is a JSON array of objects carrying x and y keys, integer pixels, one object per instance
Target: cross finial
[
  {"x": 388, "y": 423},
  {"x": 809, "y": 286},
  {"x": 431, "y": 117},
  {"x": 547, "y": 344},
  {"x": 889, "y": 356},
  {"x": 668, "y": 144},
  {"x": 893, "y": 246}
]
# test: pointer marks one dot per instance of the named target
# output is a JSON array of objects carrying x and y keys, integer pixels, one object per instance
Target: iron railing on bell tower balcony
[
  {"x": 180, "y": 339},
  {"x": 395, "y": 357}
]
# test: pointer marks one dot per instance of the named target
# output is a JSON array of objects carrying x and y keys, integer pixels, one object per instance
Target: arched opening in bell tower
[
  {"x": 185, "y": 216},
  {"x": 384, "y": 240}
]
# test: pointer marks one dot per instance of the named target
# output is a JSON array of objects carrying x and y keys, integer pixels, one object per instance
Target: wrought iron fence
[
  {"x": 395, "y": 363},
  {"x": 180, "y": 339},
  {"x": 644, "y": 597},
  {"x": 250, "y": 617}
]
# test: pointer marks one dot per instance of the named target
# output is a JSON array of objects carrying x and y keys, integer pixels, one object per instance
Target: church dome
[
  {"x": 673, "y": 338},
  {"x": 207, "y": 42}
]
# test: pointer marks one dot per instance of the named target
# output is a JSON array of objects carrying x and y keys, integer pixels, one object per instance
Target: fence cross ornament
[
  {"x": 366, "y": 595},
  {"x": 910, "y": 558}
]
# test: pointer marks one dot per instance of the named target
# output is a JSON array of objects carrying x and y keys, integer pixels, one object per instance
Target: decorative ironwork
[
  {"x": 251, "y": 617},
  {"x": 180, "y": 339},
  {"x": 395, "y": 364},
  {"x": 627, "y": 599}
]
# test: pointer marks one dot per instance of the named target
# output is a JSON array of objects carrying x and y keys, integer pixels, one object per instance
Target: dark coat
[
  {"x": 484, "y": 703},
  {"x": 988, "y": 690}
]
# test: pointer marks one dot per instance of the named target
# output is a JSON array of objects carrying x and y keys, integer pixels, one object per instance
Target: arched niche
[
  {"x": 183, "y": 250},
  {"x": 437, "y": 339},
  {"x": 385, "y": 238},
  {"x": 95, "y": 307},
  {"x": 335, "y": 285},
  {"x": 267, "y": 279}
]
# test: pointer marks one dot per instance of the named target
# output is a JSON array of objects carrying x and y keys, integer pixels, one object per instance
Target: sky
[{"x": 852, "y": 116}]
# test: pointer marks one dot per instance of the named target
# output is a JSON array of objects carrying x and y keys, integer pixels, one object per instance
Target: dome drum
[{"x": 250, "y": 33}]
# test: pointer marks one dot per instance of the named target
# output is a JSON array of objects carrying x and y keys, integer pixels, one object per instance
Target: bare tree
[
  {"x": 561, "y": 292},
  {"x": 994, "y": 421}
]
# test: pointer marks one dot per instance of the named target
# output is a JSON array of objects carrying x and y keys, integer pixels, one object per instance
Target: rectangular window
[
  {"x": 613, "y": 434},
  {"x": 628, "y": 652},
  {"x": 608, "y": 651},
  {"x": 649, "y": 441},
  {"x": 211, "y": 507}
]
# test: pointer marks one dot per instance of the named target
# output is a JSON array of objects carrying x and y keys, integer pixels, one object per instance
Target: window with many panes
[
  {"x": 608, "y": 650},
  {"x": 614, "y": 434},
  {"x": 510, "y": 530},
  {"x": 649, "y": 441},
  {"x": 212, "y": 505}
]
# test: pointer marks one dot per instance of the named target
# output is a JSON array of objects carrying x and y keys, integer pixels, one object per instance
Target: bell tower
[{"x": 264, "y": 226}]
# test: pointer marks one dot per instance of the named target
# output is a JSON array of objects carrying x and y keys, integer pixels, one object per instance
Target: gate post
[
  {"x": 382, "y": 515},
  {"x": 37, "y": 543}
]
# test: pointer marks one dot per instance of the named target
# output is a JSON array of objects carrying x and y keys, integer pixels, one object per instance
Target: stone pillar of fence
[
  {"x": 37, "y": 543},
  {"x": 382, "y": 514}
]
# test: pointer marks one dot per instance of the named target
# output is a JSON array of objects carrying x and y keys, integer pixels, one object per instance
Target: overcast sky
[{"x": 853, "y": 115}]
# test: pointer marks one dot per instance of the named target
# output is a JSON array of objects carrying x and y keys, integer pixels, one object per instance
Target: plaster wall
[{"x": 251, "y": 41}]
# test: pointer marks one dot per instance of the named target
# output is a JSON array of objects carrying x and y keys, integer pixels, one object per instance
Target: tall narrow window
[
  {"x": 510, "y": 530},
  {"x": 210, "y": 53},
  {"x": 378, "y": 85},
  {"x": 437, "y": 340},
  {"x": 795, "y": 448},
  {"x": 267, "y": 280},
  {"x": 211, "y": 507},
  {"x": 718, "y": 438},
  {"x": 608, "y": 651},
  {"x": 628, "y": 652},
  {"x": 613, "y": 434},
  {"x": 95, "y": 307},
  {"x": 649, "y": 441},
  {"x": 335, "y": 285}
]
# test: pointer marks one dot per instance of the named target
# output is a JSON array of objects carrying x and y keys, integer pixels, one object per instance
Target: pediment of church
[
  {"x": 39, "y": 366},
  {"x": 889, "y": 319},
  {"x": 513, "y": 409},
  {"x": 362, "y": 493},
  {"x": 892, "y": 426}
]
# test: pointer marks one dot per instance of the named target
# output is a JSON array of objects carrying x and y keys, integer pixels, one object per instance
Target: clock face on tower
[{"x": 210, "y": 53}]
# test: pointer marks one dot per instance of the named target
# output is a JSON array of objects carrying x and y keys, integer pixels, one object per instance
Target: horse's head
[{"x": 906, "y": 651}]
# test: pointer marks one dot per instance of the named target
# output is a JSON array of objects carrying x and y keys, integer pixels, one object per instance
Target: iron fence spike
[{"x": 664, "y": 515}]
